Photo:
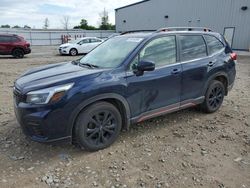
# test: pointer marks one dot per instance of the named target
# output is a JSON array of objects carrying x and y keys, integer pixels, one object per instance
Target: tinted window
[
  {"x": 213, "y": 44},
  {"x": 192, "y": 47},
  {"x": 5, "y": 39},
  {"x": 94, "y": 40},
  {"x": 162, "y": 51},
  {"x": 84, "y": 41},
  {"x": 1, "y": 39},
  {"x": 15, "y": 39}
]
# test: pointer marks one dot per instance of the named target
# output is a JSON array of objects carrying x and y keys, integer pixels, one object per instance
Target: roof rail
[
  {"x": 183, "y": 29},
  {"x": 137, "y": 31}
]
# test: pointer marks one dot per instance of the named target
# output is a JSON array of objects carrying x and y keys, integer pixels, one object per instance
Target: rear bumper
[{"x": 230, "y": 87}]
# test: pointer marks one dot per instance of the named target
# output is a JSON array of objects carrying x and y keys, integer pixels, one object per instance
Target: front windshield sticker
[{"x": 134, "y": 39}]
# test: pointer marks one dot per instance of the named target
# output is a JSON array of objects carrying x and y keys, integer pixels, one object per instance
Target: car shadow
[
  {"x": 15, "y": 146},
  {"x": 11, "y": 57}
]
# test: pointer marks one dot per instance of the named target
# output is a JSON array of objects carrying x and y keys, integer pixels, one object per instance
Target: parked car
[
  {"x": 79, "y": 46},
  {"x": 127, "y": 79},
  {"x": 13, "y": 45}
]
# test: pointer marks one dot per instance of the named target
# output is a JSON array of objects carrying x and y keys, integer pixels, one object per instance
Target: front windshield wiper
[{"x": 89, "y": 65}]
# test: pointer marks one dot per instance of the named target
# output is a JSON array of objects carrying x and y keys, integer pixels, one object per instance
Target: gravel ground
[{"x": 182, "y": 149}]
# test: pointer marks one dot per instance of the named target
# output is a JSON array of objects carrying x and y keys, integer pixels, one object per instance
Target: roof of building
[{"x": 131, "y": 4}]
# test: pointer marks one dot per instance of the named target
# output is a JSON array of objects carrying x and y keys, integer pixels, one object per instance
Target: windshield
[{"x": 111, "y": 53}]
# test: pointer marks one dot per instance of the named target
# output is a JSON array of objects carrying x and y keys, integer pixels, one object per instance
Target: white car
[{"x": 79, "y": 46}]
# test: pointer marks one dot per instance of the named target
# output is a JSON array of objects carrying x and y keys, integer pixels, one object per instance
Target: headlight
[
  {"x": 65, "y": 47},
  {"x": 48, "y": 95}
]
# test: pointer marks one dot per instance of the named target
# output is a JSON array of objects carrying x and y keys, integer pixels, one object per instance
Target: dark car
[
  {"x": 13, "y": 45},
  {"x": 127, "y": 79}
]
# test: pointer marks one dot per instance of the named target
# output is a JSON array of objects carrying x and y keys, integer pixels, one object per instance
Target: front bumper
[
  {"x": 63, "y": 51},
  {"x": 27, "y": 51},
  {"x": 42, "y": 123}
]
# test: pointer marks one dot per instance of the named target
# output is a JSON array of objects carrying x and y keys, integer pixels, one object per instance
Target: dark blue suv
[{"x": 127, "y": 79}]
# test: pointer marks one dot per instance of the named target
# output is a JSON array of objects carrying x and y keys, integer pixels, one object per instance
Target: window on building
[
  {"x": 213, "y": 44},
  {"x": 192, "y": 47}
]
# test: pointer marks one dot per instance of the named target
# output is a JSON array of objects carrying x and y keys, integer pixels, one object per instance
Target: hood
[
  {"x": 50, "y": 75},
  {"x": 66, "y": 44}
]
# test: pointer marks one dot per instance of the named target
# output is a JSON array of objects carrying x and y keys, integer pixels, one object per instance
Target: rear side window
[
  {"x": 5, "y": 39},
  {"x": 84, "y": 41},
  {"x": 94, "y": 40},
  {"x": 213, "y": 44},
  {"x": 192, "y": 47}
]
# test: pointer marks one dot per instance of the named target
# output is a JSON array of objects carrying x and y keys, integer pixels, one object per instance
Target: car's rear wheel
[
  {"x": 214, "y": 97},
  {"x": 18, "y": 53},
  {"x": 73, "y": 52},
  {"x": 98, "y": 126}
]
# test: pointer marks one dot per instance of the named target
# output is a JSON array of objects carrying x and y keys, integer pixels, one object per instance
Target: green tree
[
  {"x": 26, "y": 27},
  {"x": 16, "y": 26},
  {"x": 5, "y": 26},
  {"x": 84, "y": 25},
  {"x": 46, "y": 23},
  {"x": 105, "y": 25}
]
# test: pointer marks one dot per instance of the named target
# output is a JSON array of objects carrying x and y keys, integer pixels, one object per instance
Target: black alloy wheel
[
  {"x": 18, "y": 53},
  {"x": 98, "y": 126},
  {"x": 214, "y": 97}
]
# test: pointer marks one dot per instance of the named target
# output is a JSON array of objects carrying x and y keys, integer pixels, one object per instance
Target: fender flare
[
  {"x": 91, "y": 100},
  {"x": 212, "y": 77}
]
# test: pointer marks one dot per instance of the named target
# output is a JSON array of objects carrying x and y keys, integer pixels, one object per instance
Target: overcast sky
[{"x": 34, "y": 12}]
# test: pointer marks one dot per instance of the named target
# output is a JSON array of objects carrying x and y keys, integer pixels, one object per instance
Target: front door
[{"x": 156, "y": 89}]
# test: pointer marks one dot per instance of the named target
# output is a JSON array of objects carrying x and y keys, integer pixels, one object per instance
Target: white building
[{"x": 229, "y": 17}]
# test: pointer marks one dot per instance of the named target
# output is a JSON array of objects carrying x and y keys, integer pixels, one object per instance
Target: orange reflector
[{"x": 57, "y": 96}]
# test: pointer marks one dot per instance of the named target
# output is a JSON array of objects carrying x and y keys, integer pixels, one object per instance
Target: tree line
[{"x": 65, "y": 21}]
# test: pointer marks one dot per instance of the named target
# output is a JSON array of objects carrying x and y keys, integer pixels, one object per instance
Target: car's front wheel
[
  {"x": 73, "y": 52},
  {"x": 214, "y": 97},
  {"x": 18, "y": 53},
  {"x": 98, "y": 126}
]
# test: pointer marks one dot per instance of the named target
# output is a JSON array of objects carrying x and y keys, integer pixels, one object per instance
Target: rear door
[
  {"x": 195, "y": 66},
  {"x": 157, "y": 90},
  {"x": 5, "y": 44}
]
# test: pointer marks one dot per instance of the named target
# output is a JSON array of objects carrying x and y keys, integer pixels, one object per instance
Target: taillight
[
  {"x": 28, "y": 45},
  {"x": 233, "y": 56}
]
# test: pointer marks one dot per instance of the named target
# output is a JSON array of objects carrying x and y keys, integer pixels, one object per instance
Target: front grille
[{"x": 19, "y": 97}]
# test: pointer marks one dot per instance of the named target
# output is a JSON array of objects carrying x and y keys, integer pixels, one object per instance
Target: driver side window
[
  {"x": 161, "y": 51},
  {"x": 84, "y": 41}
]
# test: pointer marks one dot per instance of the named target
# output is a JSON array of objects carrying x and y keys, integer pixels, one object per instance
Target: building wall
[
  {"x": 54, "y": 37},
  {"x": 215, "y": 14}
]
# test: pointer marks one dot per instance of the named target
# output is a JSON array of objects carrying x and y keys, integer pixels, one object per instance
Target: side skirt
[{"x": 167, "y": 109}]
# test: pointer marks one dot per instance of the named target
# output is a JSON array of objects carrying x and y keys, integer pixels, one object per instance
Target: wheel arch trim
[
  {"x": 212, "y": 77},
  {"x": 96, "y": 98}
]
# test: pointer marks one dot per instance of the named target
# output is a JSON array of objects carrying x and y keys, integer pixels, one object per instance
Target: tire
[
  {"x": 73, "y": 52},
  {"x": 98, "y": 126},
  {"x": 18, "y": 53},
  {"x": 214, "y": 97}
]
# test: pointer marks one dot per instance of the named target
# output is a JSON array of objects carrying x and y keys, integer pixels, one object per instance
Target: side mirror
[{"x": 144, "y": 66}]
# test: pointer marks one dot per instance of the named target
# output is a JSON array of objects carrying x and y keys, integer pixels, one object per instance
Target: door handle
[
  {"x": 176, "y": 71},
  {"x": 211, "y": 63}
]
